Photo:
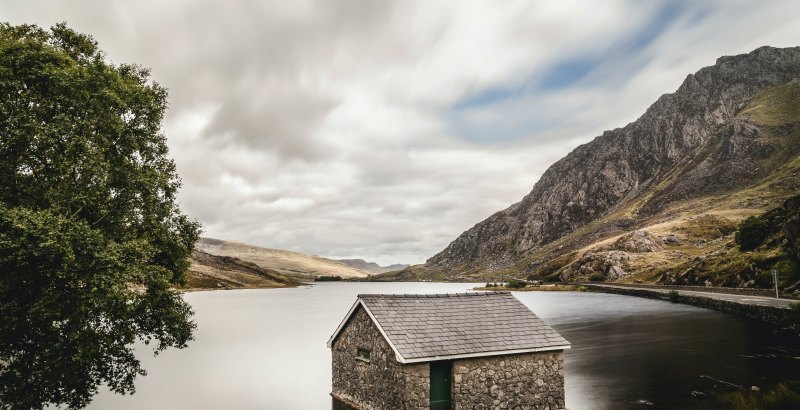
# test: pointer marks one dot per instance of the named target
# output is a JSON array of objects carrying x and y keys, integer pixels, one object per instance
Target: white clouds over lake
[{"x": 383, "y": 129}]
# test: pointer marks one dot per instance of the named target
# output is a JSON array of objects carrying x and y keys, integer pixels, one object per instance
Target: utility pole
[{"x": 775, "y": 279}]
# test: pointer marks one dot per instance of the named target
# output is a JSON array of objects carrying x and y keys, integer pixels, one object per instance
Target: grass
[
  {"x": 784, "y": 396},
  {"x": 707, "y": 227},
  {"x": 775, "y": 105}
]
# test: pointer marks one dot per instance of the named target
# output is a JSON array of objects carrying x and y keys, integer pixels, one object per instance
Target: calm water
[{"x": 265, "y": 349}]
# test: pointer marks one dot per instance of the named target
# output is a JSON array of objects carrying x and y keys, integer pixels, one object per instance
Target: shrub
[
  {"x": 674, "y": 295},
  {"x": 796, "y": 312},
  {"x": 752, "y": 232},
  {"x": 517, "y": 284},
  {"x": 783, "y": 396},
  {"x": 597, "y": 277},
  {"x": 327, "y": 278},
  {"x": 491, "y": 285}
]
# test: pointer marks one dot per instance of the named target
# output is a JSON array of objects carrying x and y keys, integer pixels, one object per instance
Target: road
[{"x": 743, "y": 299}]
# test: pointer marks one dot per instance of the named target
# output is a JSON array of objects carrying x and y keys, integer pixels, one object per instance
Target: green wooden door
[{"x": 440, "y": 384}]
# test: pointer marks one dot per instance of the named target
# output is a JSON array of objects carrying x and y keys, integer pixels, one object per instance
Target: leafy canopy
[{"x": 91, "y": 237}]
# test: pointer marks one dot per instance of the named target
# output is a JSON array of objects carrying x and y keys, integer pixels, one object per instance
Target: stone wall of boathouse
[
  {"x": 532, "y": 381},
  {"x": 383, "y": 383}
]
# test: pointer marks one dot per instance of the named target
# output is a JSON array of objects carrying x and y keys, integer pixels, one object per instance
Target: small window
[{"x": 362, "y": 354}]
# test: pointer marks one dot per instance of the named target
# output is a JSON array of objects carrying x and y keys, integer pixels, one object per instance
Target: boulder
[
  {"x": 615, "y": 272},
  {"x": 639, "y": 241}
]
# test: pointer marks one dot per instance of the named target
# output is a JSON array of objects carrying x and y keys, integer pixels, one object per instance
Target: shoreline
[
  {"x": 194, "y": 290},
  {"x": 781, "y": 316},
  {"x": 536, "y": 288}
]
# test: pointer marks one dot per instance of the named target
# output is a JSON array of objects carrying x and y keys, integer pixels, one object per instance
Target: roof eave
[
  {"x": 344, "y": 322},
  {"x": 360, "y": 302},
  {"x": 484, "y": 354}
]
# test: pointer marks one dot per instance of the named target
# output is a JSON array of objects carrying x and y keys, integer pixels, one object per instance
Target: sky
[{"x": 384, "y": 129}]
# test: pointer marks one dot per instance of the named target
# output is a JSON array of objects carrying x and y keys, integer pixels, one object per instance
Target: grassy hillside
[
  {"x": 223, "y": 272},
  {"x": 292, "y": 264}
]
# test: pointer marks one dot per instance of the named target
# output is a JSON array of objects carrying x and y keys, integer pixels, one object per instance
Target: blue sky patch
[{"x": 562, "y": 74}]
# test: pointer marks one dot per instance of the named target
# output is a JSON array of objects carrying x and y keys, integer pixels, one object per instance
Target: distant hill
[
  {"x": 224, "y": 272},
  {"x": 293, "y": 264},
  {"x": 372, "y": 267},
  {"x": 660, "y": 199}
]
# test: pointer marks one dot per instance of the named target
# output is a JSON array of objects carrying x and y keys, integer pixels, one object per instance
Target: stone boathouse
[{"x": 455, "y": 351}]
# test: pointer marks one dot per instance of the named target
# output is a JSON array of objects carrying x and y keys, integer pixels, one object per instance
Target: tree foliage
[
  {"x": 516, "y": 283},
  {"x": 597, "y": 277},
  {"x": 91, "y": 237},
  {"x": 752, "y": 232}
]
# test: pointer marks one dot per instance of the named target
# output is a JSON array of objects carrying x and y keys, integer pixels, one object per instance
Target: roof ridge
[
  {"x": 425, "y": 327},
  {"x": 432, "y": 295}
]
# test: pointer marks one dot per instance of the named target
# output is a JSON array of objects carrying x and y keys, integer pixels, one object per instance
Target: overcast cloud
[{"x": 384, "y": 129}]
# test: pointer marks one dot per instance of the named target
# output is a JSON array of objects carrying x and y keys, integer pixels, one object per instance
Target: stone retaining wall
[
  {"x": 770, "y": 314},
  {"x": 711, "y": 289},
  {"x": 383, "y": 383},
  {"x": 523, "y": 381}
]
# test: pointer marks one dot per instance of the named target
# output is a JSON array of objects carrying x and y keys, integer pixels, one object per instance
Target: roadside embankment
[
  {"x": 773, "y": 311},
  {"x": 770, "y": 293}
]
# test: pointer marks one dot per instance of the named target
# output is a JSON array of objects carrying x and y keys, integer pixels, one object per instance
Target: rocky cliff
[{"x": 727, "y": 131}]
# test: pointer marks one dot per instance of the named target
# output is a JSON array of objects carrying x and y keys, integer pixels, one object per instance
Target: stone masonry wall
[
  {"x": 383, "y": 383},
  {"x": 524, "y": 381}
]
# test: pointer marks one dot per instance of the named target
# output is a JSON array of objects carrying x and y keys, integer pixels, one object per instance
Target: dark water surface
[{"x": 265, "y": 349}]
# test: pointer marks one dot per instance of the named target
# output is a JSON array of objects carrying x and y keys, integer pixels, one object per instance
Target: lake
[{"x": 265, "y": 349}]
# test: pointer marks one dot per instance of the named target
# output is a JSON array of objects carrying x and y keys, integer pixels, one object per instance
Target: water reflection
[{"x": 265, "y": 349}]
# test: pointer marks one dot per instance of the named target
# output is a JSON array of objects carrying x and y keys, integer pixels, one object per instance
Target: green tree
[
  {"x": 674, "y": 296},
  {"x": 752, "y": 232},
  {"x": 597, "y": 277},
  {"x": 516, "y": 283},
  {"x": 91, "y": 238}
]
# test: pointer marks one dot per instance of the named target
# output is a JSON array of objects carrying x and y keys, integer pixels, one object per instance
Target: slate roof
[{"x": 435, "y": 327}]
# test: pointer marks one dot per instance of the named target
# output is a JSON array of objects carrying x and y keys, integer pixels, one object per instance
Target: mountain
[
  {"x": 214, "y": 272},
  {"x": 667, "y": 190},
  {"x": 293, "y": 264},
  {"x": 371, "y": 267}
]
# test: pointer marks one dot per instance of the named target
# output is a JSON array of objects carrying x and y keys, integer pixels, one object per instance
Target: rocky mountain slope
[
  {"x": 724, "y": 146},
  {"x": 371, "y": 267},
  {"x": 295, "y": 265},
  {"x": 224, "y": 272}
]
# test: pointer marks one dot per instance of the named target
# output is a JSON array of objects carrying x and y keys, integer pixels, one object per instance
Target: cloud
[
  {"x": 382, "y": 130},
  {"x": 279, "y": 117}
]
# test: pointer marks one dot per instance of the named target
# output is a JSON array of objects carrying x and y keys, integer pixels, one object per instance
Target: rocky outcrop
[
  {"x": 688, "y": 144},
  {"x": 609, "y": 264},
  {"x": 638, "y": 241},
  {"x": 791, "y": 227}
]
